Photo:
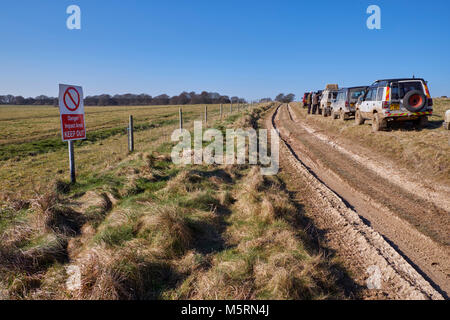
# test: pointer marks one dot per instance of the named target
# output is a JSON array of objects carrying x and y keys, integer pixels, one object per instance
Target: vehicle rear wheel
[
  {"x": 333, "y": 115},
  {"x": 421, "y": 123},
  {"x": 359, "y": 120},
  {"x": 447, "y": 125},
  {"x": 342, "y": 115},
  {"x": 378, "y": 124}
]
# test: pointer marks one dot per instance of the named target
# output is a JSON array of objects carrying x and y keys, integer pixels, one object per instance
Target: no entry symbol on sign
[
  {"x": 71, "y": 109},
  {"x": 71, "y": 99}
]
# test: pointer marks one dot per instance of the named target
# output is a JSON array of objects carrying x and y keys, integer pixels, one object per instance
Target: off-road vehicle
[
  {"x": 389, "y": 100},
  {"x": 328, "y": 96},
  {"x": 305, "y": 96},
  {"x": 345, "y": 104}
]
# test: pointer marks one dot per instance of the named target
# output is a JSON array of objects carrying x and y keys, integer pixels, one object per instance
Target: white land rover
[
  {"x": 328, "y": 97},
  {"x": 395, "y": 100}
]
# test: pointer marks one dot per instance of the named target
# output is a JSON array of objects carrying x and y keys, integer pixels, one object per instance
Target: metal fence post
[
  {"x": 220, "y": 111},
  {"x": 131, "y": 135},
  {"x": 181, "y": 118},
  {"x": 72, "y": 162},
  {"x": 206, "y": 114}
]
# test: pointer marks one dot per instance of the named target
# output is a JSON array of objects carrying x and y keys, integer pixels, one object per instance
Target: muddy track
[{"x": 365, "y": 224}]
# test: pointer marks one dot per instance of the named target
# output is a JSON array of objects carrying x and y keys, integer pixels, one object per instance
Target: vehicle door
[
  {"x": 379, "y": 98},
  {"x": 366, "y": 104},
  {"x": 355, "y": 93},
  {"x": 323, "y": 101},
  {"x": 329, "y": 99},
  {"x": 373, "y": 97},
  {"x": 335, "y": 103}
]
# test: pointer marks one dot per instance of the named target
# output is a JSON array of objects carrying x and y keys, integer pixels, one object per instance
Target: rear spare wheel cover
[{"x": 414, "y": 100}]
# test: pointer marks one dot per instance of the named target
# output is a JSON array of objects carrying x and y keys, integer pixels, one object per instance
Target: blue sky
[{"x": 252, "y": 49}]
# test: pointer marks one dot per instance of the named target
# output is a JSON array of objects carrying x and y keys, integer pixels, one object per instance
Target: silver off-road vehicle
[
  {"x": 389, "y": 100},
  {"x": 344, "y": 105},
  {"x": 328, "y": 97}
]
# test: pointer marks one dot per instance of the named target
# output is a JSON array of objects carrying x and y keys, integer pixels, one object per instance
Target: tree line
[
  {"x": 285, "y": 98},
  {"x": 129, "y": 99}
]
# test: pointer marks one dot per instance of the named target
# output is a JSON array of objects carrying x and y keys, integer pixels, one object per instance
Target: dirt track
[{"x": 370, "y": 218}]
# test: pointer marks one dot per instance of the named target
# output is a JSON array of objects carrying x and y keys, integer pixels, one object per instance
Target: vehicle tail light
[
  {"x": 346, "y": 103},
  {"x": 386, "y": 104},
  {"x": 427, "y": 91}
]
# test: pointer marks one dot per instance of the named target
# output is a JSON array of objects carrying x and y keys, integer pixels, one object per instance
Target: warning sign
[{"x": 71, "y": 109}]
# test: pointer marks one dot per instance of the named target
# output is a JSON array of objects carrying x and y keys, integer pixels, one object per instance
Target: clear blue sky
[{"x": 252, "y": 49}]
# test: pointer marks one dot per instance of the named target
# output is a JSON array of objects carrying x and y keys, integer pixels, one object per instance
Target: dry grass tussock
[
  {"x": 250, "y": 119},
  {"x": 39, "y": 240},
  {"x": 208, "y": 178},
  {"x": 268, "y": 260},
  {"x": 15, "y": 201},
  {"x": 186, "y": 181},
  {"x": 123, "y": 274},
  {"x": 31, "y": 246},
  {"x": 168, "y": 229},
  {"x": 138, "y": 267},
  {"x": 52, "y": 215}
]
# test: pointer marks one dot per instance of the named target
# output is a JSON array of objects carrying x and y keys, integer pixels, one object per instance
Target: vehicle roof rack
[
  {"x": 398, "y": 79},
  {"x": 358, "y": 87}
]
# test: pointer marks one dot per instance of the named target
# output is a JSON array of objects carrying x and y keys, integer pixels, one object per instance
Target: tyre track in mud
[
  {"x": 417, "y": 228},
  {"x": 351, "y": 223}
]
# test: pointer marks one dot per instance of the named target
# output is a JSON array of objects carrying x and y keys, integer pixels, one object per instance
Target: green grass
[
  {"x": 34, "y": 148},
  {"x": 115, "y": 235},
  {"x": 32, "y": 153}
]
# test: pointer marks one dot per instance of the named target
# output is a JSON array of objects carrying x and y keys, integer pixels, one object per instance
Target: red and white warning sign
[{"x": 71, "y": 109}]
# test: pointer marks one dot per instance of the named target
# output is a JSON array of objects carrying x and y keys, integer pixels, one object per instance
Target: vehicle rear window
[
  {"x": 356, "y": 93},
  {"x": 380, "y": 94},
  {"x": 399, "y": 89},
  {"x": 371, "y": 96}
]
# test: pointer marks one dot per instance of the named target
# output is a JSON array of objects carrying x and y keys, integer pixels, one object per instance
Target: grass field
[
  {"x": 136, "y": 226},
  {"x": 32, "y": 153},
  {"x": 425, "y": 153}
]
